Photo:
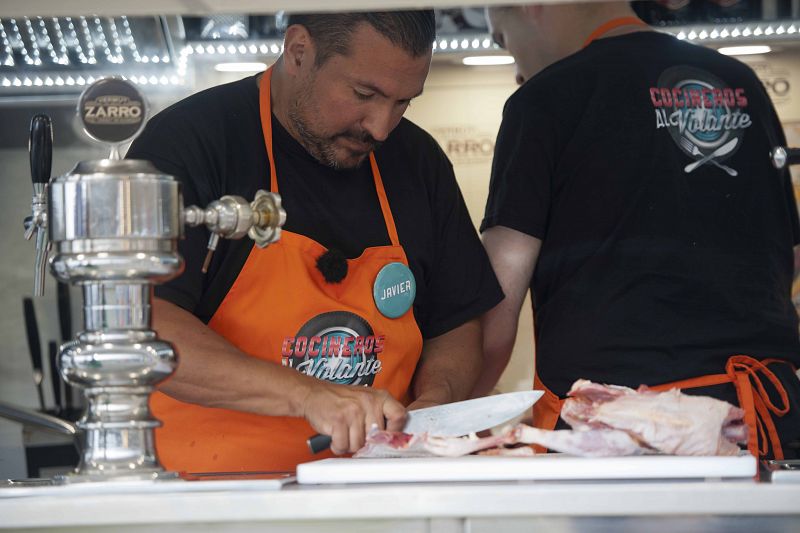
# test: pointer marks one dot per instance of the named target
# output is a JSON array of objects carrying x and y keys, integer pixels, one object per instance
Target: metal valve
[
  {"x": 782, "y": 157},
  {"x": 232, "y": 217},
  {"x": 40, "y": 148}
]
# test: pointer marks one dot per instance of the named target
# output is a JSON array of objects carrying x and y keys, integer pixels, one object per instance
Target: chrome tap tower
[{"x": 113, "y": 227}]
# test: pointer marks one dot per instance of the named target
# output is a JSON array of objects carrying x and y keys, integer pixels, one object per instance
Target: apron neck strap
[
  {"x": 611, "y": 25},
  {"x": 265, "y": 108}
]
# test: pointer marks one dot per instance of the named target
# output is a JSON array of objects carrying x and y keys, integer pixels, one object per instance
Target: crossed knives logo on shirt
[
  {"x": 338, "y": 346},
  {"x": 705, "y": 117}
]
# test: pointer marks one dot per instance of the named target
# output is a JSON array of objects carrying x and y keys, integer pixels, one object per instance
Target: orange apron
[
  {"x": 743, "y": 371},
  {"x": 281, "y": 309}
]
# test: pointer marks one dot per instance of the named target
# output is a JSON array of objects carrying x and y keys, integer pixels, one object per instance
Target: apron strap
[
  {"x": 385, "y": 209},
  {"x": 744, "y": 372},
  {"x": 265, "y": 108},
  {"x": 610, "y": 25}
]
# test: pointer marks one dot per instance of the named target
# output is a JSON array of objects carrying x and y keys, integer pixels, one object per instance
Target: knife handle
[{"x": 318, "y": 443}]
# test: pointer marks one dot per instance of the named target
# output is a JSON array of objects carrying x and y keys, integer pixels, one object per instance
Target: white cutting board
[{"x": 553, "y": 466}]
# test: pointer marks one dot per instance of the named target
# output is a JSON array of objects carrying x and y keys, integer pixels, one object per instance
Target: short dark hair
[{"x": 413, "y": 31}]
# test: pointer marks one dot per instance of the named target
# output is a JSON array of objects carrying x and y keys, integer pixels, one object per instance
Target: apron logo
[
  {"x": 705, "y": 118},
  {"x": 339, "y": 347}
]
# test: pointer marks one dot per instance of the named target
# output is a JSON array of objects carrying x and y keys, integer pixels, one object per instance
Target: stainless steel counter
[{"x": 706, "y": 506}]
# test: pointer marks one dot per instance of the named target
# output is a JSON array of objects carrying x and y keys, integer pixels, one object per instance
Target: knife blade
[{"x": 457, "y": 418}]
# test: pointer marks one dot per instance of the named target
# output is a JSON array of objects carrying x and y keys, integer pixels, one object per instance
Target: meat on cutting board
[
  {"x": 382, "y": 443},
  {"x": 606, "y": 420},
  {"x": 668, "y": 422}
]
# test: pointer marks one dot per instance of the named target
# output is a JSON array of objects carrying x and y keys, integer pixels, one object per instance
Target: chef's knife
[
  {"x": 35, "y": 347},
  {"x": 458, "y": 418}
]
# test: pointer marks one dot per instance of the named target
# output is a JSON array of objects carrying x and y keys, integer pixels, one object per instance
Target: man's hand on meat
[{"x": 347, "y": 413}]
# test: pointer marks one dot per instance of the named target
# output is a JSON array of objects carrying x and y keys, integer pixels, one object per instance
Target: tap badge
[
  {"x": 339, "y": 347},
  {"x": 112, "y": 110},
  {"x": 706, "y": 118}
]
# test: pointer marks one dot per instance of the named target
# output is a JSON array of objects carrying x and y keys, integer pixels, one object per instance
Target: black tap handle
[
  {"x": 55, "y": 377},
  {"x": 40, "y": 148}
]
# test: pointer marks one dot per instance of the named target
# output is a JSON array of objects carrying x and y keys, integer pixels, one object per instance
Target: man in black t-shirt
[
  {"x": 632, "y": 193},
  {"x": 372, "y": 296}
]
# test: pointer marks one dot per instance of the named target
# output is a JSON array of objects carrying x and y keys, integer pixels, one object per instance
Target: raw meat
[
  {"x": 668, "y": 422},
  {"x": 382, "y": 443},
  {"x": 589, "y": 443},
  {"x": 606, "y": 420}
]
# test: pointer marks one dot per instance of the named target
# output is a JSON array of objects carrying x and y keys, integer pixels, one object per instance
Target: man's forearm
[
  {"x": 496, "y": 349},
  {"x": 449, "y": 366},
  {"x": 214, "y": 373}
]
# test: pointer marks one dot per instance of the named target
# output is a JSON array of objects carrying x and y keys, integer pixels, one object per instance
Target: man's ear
[{"x": 298, "y": 49}]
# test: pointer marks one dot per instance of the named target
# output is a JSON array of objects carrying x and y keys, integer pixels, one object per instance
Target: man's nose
[{"x": 380, "y": 121}]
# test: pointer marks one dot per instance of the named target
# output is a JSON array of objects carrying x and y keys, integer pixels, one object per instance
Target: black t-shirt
[
  {"x": 650, "y": 270},
  {"x": 212, "y": 143}
]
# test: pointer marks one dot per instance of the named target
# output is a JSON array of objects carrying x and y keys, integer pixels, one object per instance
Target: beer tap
[
  {"x": 782, "y": 157},
  {"x": 40, "y": 148},
  {"x": 114, "y": 226},
  {"x": 233, "y": 217}
]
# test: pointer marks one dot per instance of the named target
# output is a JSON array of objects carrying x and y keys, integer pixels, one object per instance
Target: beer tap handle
[
  {"x": 40, "y": 148},
  {"x": 782, "y": 157},
  {"x": 212, "y": 246},
  {"x": 233, "y": 217}
]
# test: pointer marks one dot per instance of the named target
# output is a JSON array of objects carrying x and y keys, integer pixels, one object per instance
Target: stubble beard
[{"x": 301, "y": 112}]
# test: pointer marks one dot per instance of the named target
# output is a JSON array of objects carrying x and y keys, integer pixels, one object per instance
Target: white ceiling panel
[{"x": 18, "y": 8}]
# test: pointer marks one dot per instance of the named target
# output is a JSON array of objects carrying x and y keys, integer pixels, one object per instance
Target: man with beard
[{"x": 368, "y": 304}]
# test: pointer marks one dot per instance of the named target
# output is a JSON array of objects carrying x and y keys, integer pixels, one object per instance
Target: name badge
[{"x": 394, "y": 290}]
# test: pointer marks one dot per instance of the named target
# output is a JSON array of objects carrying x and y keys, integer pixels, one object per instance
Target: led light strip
[
  {"x": 126, "y": 25},
  {"x": 482, "y": 42},
  {"x": 9, "y": 60},
  {"x": 70, "y": 81},
  {"x": 20, "y": 42},
  {"x": 45, "y": 35},
  {"x": 74, "y": 36},
  {"x": 112, "y": 25},
  {"x": 735, "y": 32},
  {"x": 37, "y": 59},
  {"x": 87, "y": 37},
  {"x": 228, "y": 49},
  {"x": 738, "y": 32},
  {"x": 98, "y": 24},
  {"x": 63, "y": 59}
]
